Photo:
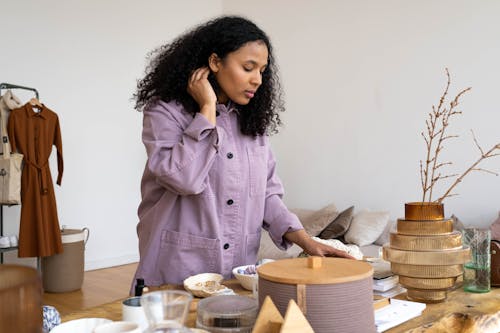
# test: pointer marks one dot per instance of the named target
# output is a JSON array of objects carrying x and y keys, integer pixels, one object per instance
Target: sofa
[{"x": 365, "y": 230}]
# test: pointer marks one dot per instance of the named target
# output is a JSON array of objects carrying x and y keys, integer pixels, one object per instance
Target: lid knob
[{"x": 314, "y": 262}]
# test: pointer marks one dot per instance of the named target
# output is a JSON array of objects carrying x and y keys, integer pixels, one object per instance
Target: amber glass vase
[{"x": 426, "y": 252}]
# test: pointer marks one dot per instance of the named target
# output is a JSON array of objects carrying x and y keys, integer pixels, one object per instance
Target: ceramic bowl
[
  {"x": 246, "y": 276},
  {"x": 205, "y": 284},
  {"x": 84, "y": 325}
]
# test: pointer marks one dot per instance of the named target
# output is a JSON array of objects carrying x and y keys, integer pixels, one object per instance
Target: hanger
[{"x": 36, "y": 103}]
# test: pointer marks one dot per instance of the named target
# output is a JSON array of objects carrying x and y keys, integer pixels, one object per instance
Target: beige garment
[{"x": 8, "y": 102}]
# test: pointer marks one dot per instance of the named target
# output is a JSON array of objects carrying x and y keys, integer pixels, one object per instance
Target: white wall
[
  {"x": 360, "y": 77},
  {"x": 84, "y": 57}
]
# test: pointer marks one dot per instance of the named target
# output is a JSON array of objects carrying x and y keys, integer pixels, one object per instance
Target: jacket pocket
[
  {"x": 182, "y": 255},
  {"x": 257, "y": 157}
]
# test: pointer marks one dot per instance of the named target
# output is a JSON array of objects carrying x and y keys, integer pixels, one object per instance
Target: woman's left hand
[{"x": 314, "y": 248}]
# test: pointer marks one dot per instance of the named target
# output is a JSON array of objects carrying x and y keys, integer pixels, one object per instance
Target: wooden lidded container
[
  {"x": 335, "y": 294},
  {"x": 21, "y": 299}
]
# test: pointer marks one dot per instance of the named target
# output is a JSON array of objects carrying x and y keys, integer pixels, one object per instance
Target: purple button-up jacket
[{"x": 206, "y": 193}]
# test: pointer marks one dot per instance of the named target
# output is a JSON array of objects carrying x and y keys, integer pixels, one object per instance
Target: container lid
[
  {"x": 227, "y": 311},
  {"x": 315, "y": 270},
  {"x": 72, "y": 235}
]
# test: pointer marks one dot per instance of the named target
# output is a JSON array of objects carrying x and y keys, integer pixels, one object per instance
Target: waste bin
[{"x": 63, "y": 272}]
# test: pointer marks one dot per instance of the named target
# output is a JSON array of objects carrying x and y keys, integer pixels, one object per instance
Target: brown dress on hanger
[{"x": 33, "y": 134}]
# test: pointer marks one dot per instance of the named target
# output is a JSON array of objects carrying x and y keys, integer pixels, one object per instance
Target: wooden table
[
  {"x": 113, "y": 310},
  {"x": 457, "y": 301}
]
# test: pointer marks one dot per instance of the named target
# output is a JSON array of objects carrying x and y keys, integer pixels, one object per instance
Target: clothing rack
[{"x": 14, "y": 86}]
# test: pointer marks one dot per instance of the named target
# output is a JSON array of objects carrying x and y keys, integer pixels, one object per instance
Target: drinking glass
[
  {"x": 166, "y": 310},
  {"x": 477, "y": 271}
]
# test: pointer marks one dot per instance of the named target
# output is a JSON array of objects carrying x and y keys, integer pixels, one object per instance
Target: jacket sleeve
[
  {"x": 11, "y": 130},
  {"x": 278, "y": 220},
  {"x": 180, "y": 158},
  {"x": 58, "y": 143}
]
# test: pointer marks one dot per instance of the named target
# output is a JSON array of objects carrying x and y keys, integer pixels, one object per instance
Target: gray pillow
[
  {"x": 314, "y": 221},
  {"x": 339, "y": 226}
]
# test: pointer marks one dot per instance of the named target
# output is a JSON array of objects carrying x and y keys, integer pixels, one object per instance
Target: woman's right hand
[{"x": 201, "y": 90}]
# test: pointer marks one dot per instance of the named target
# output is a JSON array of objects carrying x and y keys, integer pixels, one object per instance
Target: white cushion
[
  {"x": 385, "y": 237},
  {"x": 371, "y": 250},
  {"x": 366, "y": 227}
]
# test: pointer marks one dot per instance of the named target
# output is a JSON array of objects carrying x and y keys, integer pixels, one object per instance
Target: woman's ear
[{"x": 214, "y": 62}]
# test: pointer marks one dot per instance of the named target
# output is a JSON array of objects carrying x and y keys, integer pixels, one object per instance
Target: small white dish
[
  {"x": 84, "y": 325},
  {"x": 245, "y": 276},
  {"x": 206, "y": 284},
  {"x": 118, "y": 327}
]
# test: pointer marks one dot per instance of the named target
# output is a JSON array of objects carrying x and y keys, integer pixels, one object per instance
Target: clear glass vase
[{"x": 477, "y": 270}]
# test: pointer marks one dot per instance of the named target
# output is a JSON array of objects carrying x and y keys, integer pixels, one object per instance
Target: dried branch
[
  {"x": 438, "y": 178},
  {"x": 485, "y": 170},
  {"x": 447, "y": 176},
  {"x": 450, "y": 137},
  {"x": 436, "y": 125},
  {"x": 443, "y": 164},
  {"x": 490, "y": 153},
  {"x": 475, "y": 141},
  {"x": 445, "y": 117},
  {"x": 422, "y": 174},
  {"x": 431, "y": 134}
]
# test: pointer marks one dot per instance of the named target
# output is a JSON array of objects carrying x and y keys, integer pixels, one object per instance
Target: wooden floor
[{"x": 99, "y": 287}]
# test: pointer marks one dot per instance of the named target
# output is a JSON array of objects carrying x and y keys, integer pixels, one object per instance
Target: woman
[{"x": 209, "y": 99}]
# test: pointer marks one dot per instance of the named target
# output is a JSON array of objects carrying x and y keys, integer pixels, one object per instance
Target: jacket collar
[
  {"x": 228, "y": 107},
  {"x": 30, "y": 112},
  {"x": 10, "y": 100}
]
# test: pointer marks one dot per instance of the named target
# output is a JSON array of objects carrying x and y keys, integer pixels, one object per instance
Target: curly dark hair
[{"x": 171, "y": 65}]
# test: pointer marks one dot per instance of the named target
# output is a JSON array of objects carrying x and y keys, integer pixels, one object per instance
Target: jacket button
[
  {"x": 226, "y": 246},
  {"x": 230, "y": 202},
  {"x": 230, "y": 155}
]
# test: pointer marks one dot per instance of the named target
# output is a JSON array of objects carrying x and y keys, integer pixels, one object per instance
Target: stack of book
[
  {"x": 385, "y": 283},
  {"x": 397, "y": 312},
  {"x": 387, "y": 287},
  {"x": 390, "y": 312}
]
